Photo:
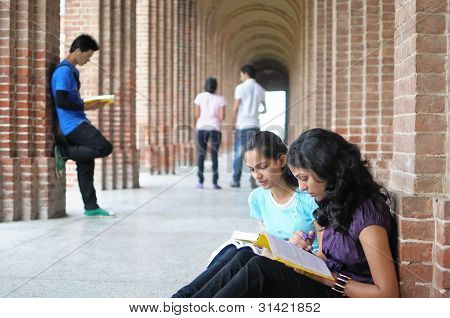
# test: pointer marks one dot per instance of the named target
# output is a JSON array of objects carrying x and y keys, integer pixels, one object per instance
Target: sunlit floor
[{"x": 161, "y": 238}]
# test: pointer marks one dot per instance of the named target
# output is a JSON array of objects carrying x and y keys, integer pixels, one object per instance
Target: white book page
[
  {"x": 295, "y": 255},
  {"x": 244, "y": 236}
]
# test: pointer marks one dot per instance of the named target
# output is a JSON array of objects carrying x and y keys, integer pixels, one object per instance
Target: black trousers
[
  {"x": 84, "y": 144},
  {"x": 249, "y": 275},
  {"x": 216, "y": 265},
  {"x": 202, "y": 141}
]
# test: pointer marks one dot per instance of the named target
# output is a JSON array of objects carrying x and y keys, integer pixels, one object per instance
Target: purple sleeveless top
[{"x": 344, "y": 252}]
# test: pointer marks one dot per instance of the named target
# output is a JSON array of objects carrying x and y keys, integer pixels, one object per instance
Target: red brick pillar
[
  {"x": 376, "y": 123},
  {"x": 143, "y": 101},
  {"x": 29, "y": 50},
  {"x": 153, "y": 87},
  {"x": 319, "y": 100},
  {"x": 328, "y": 62},
  {"x": 308, "y": 109},
  {"x": 311, "y": 66},
  {"x": 111, "y": 71},
  {"x": 341, "y": 67},
  {"x": 420, "y": 152},
  {"x": 320, "y": 51},
  {"x": 303, "y": 83},
  {"x": 357, "y": 74},
  {"x": 385, "y": 131},
  {"x": 182, "y": 124},
  {"x": 193, "y": 87},
  {"x": 172, "y": 59}
]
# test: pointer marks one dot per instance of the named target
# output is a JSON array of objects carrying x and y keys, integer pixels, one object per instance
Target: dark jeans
[
  {"x": 202, "y": 141},
  {"x": 249, "y": 275},
  {"x": 84, "y": 144},
  {"x": 216, "y": 265},
  {"x": 240, "y": 139}
]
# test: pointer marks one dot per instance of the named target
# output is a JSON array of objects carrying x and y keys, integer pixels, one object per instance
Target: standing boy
[
  {"x": 84, "y": 142},
  {"x": 247, "y": 97}
]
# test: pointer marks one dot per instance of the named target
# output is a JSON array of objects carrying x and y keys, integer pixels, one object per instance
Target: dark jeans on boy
[
  {"x": 84, "y": 144},
  {"x": 203, "y": 136}
]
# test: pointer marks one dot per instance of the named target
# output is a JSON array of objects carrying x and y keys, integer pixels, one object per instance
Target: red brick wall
[
  {"x": 29, "y": 44},
  {"x": 420, "y": 127}
]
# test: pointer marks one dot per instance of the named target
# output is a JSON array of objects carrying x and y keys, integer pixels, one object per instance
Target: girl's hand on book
[{"x": 302, "y": 240}]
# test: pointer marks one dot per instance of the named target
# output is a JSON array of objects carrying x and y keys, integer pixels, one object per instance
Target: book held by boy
[{"x": 107, "y": 99}]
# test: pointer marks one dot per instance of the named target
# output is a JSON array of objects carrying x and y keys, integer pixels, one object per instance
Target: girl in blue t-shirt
[{"x": 278, "y": 203}]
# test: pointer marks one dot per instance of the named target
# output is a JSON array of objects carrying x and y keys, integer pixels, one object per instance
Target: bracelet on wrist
[{"x": 340, "y": 283}]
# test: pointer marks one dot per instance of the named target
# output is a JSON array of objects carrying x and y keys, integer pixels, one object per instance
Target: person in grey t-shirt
[{"x": 247, "y": 97}]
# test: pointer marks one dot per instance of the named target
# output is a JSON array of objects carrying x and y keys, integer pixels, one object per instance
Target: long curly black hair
[
  {"x": 349, "y": 182},
  {"x": 272, "y": 147}
]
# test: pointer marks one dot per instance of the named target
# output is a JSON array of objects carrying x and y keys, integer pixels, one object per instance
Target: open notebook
[{"x": 287, "y": 253}]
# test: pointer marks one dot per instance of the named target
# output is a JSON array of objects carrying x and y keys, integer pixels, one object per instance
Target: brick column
[
  {"x": 420, "y": 152},
  {"x": 172, "y": 68},
  {"x": 329, "y": 62},
  {"x": 29, "y": 47},
  {"x": 305, "y": 63},
  {"x": 320, "y": 82},
  {"x": 142, "y": 84},
  {"x": 310, "y": 67},
  {"x": 385, "y": 137},
  {"x": 357, "y": 78},
  {"x": 341, "y": 67}
]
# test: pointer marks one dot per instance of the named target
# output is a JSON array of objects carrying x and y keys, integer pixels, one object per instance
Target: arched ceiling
[{"x": 251, "y": 30}]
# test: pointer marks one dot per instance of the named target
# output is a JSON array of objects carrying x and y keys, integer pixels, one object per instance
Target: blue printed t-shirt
[
  {"x": 63, "y": 79},
  {"x": 281, "y": 220}
]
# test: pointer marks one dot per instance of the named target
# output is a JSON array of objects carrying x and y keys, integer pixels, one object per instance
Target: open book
[
  {"x": 293, "y": 256},
  {"x": 100, "y": 98}
]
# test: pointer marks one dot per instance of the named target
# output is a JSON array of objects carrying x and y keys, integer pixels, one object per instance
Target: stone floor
[{"x": 161, "y": 238}]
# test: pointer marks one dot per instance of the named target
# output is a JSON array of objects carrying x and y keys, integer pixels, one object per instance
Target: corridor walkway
[{"x": 163, "y": 235}]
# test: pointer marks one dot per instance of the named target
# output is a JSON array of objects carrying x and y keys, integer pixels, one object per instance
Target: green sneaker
[
  {"x": 99, "y": 212},
  {"x": 60, "y": 162}
]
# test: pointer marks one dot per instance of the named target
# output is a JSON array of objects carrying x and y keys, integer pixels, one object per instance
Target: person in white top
[
  {"x": 248, "y": 96},
  {"x": 209, "y": 112}
]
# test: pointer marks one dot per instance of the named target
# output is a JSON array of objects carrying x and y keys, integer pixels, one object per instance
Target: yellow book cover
[
  {"x": 293, "y": 256},
  {"x": 107, "y": 99}
]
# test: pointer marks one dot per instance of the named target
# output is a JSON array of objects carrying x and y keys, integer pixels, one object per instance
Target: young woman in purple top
[{"x": 356, "y": 232}]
